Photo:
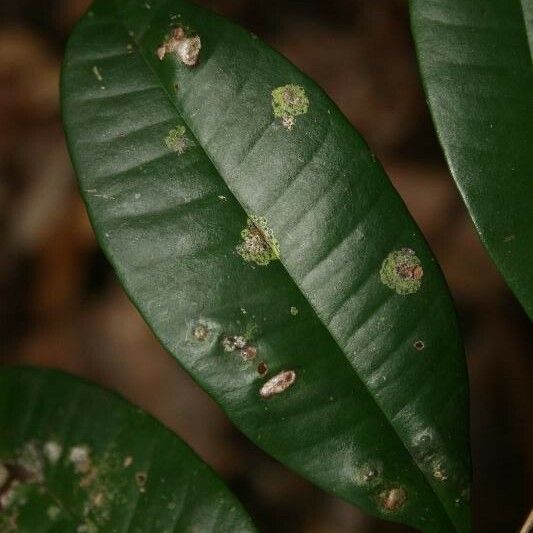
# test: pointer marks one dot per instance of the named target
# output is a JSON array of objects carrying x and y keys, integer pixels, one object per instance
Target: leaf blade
[
  {"x": 476, "y": 69},
  {"x": 188, "y": 219}
]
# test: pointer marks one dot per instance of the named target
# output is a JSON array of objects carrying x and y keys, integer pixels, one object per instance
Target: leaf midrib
[{"x": 215, "y": 167}]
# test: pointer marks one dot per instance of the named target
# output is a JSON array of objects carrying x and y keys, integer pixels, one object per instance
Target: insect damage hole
[
  {"x": 279, "y": 383},
  {"x": 419, "y": 345},
  {"x": 186, "y": 48}
]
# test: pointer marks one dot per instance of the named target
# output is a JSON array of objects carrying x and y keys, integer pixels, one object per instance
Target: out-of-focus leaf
[
  {"x": 476, "y": 68},
  {"x": 75, "y": 458}
]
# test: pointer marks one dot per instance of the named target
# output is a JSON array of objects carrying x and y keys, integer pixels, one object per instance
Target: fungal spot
[
  {"x": 288, "y": 122},
  {"x": 402, "y": 271},
  {"x": 53, "y": 512},
  {"x": 186, "y": 48},
  {"x": 258, "y": 245},
  {"x": 262, "y": 368},
  {"x": 248, "y": 353},
  {"x": 97, "y": 74},
  {"x": 200, "y": 332},
  {"x": 419, "y": 345},
  {"x": 176, "y": 140},
  {"x": 391, "y": 500},
  {"x": 221, "y": 197},
  {"x": 439, "y": 473},
  {"x": 128, "y": 461},
  {"x": 369, "y": 473},
  {"x": 97, "y": 499},
  {"x": 240, "y": 343},
  {"x": 294, "y": 311},
  {"x": 79, "y": 457},
  {"x": 15, "y": 476},
  {"x": 288, "y": 102},
  {"x": 52, "y": 451},
  {"x": 279, "y": 383},
  {"x": 141, "y": 478},
  {"x": 86, "y": 528},
  {"x": 233, "y": 343},
  {"x": 30, "y": 463}
]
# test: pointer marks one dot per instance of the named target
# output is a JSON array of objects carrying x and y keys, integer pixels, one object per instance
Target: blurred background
[{"x": 62, "y": 307}]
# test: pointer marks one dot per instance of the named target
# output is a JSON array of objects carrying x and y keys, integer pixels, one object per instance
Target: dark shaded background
[{"x": 61, "y": 305}]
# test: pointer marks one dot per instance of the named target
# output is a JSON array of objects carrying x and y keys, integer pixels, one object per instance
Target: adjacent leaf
[
  {"x": 476, "y": 68},
  {"x": 75, "y": 458},
  {"x": 269, "y": 253}
]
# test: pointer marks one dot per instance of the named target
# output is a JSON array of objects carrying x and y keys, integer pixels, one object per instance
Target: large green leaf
[
  {"x": 329, "y": 281},
  {"x": 476, "y": 68},
  {"x": 75, "y": 458}
]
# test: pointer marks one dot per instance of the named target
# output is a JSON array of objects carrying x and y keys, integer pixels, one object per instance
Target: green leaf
[
  {"x": 476, "y": 68},
  {"x": 261, "y": 240},
  {"x": 75, "y": 458}
]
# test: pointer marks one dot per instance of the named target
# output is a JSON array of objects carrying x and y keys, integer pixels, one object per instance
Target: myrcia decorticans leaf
[
  {"x": 267, "y": 250},
  {"x": 77, "y": 459},
  {"x": 476, "y": 66}
]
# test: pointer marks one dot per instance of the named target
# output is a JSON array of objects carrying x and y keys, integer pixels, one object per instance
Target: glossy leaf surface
[
  {"x": 75, "y": 458},
  {"x": 257, "y": 234},
  {"x": 476, "y": 67}
]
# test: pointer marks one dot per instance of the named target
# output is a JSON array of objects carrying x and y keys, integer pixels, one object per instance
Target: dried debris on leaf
[
  {"x": 186, "y": 48},
  {"x": 279, "y": 383}
]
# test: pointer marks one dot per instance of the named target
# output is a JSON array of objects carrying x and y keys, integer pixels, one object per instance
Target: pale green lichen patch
[
  {"x": 288, "y": 102},
  {"x": 294, "y": 310},
  {"x": 402, "y": 271},
  {"x": 176, "y": 140},
  {"x": 258, "y": 244}
]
